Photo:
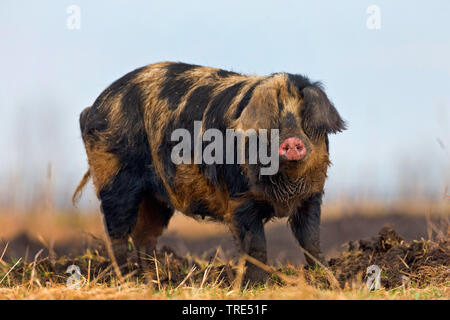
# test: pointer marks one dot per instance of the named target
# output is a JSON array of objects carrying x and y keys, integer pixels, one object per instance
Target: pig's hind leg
[
  {"x": 130, "y": 208},
  {"x": 153, "y": 217},
  {"x": 120, "y": 201}
]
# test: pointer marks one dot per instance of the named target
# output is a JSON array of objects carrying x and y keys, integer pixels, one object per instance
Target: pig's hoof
[{"x": 255, "y": 275}]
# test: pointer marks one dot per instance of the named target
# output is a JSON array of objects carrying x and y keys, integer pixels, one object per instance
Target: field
[{"x": 409, "y": 241}]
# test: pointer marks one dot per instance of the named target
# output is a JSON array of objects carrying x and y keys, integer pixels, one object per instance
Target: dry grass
[
  {"x": 265, "y": 293},
  {"x": 174, "y": 277}
]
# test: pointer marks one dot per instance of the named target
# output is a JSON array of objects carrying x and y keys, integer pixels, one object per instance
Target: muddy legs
[
  {"x": 248, "y": 230},
  {"x": 153, "y": 217},
  {"x": 305, "y": 225}
]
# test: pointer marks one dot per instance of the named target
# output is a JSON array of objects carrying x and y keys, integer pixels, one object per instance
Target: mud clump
[{"x": 418, "y": 263}]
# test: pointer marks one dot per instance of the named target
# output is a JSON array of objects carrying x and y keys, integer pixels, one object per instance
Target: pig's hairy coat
[{"x": 127, "y": 133}]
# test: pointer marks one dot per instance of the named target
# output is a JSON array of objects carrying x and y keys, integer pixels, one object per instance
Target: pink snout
[{"x": 293, "y": 149}]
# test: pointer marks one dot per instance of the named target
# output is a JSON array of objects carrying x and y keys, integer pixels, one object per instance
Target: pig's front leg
[
  {"x": 247, "y": 227},
  {"x": 305, "y": 224}
]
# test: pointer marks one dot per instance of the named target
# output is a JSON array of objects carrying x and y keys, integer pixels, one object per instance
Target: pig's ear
[{"x": 319, "y": 116}]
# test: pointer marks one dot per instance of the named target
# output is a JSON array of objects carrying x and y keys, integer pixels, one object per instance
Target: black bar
[{"x": 220, "y": 309}]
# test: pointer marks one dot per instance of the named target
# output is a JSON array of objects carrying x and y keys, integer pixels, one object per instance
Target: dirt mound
[{"x": 418, "y": 263}]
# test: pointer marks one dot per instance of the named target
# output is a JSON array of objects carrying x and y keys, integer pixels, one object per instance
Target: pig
[{"x": 128, "y": 137}]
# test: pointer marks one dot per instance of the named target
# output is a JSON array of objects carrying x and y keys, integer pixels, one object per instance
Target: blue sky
[{"x": 391, "y": 85}]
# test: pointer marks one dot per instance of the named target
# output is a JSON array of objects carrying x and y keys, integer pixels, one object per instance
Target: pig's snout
[{"x": 292, "y": 149}]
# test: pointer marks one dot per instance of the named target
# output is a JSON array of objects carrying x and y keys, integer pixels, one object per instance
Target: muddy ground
[
  {"x": 399, "y": 245},
  {"x": 400, "y": 263},
  {"x": 281, "y": 245}
]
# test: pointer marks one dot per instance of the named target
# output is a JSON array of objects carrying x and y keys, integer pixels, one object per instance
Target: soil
[
  {"x": 419, "y": 263},
  {"x": 282, "y": 246},
  {"x": 404, "y": 260}
]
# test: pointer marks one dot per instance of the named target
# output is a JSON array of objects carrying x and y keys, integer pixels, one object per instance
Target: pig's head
[{"x": 304, "y": 116}]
